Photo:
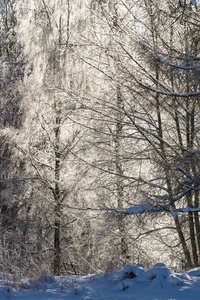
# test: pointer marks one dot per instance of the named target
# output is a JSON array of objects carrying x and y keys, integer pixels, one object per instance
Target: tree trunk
[
  {"x": 120, "y": 181},
  {"x": 57, "y": 248}
]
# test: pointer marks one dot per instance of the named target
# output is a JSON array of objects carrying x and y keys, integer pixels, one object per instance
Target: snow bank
[{"x": 133, "y": 282}]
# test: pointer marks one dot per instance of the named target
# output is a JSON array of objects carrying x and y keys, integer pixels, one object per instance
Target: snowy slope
[{"x": 133, "y": 282}]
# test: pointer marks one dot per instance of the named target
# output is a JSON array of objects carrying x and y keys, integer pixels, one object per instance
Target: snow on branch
[
  {"x": 190, "y": 58},
  {"x": 143, "y": 208},
  {"x": 192, "y": 2},
  {"x": 185, "y": 95},
  {"x": 184, "y": 210},
  {"x": 182, "y": 194},
  {"x": 180, "y": 66},
  {"x": 136, "y": 210}
]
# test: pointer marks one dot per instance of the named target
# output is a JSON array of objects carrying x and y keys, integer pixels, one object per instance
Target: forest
[{"x": 99, "y": 135}]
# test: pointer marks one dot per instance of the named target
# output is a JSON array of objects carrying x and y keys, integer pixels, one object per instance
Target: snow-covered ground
[{"x": 133, "y": 282}]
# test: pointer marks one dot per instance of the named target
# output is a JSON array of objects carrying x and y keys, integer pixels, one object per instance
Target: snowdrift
[{"x": 133, "y": 282}]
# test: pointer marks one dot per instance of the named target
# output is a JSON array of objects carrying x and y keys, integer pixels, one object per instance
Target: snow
[
  {"x": 184, "y": 210},
  {"x": 138, "y": 209},
  {"x": 133, "y": 282},
  {"x": 182, "y": 65},
  {"x": 192, "y": 2}
]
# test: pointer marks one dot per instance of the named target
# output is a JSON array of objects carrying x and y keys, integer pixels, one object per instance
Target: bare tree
[
  {"x": 53, "y": 83},
  {"x": 159, "y": 86},
  {"x": 11, "y": 115}
]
